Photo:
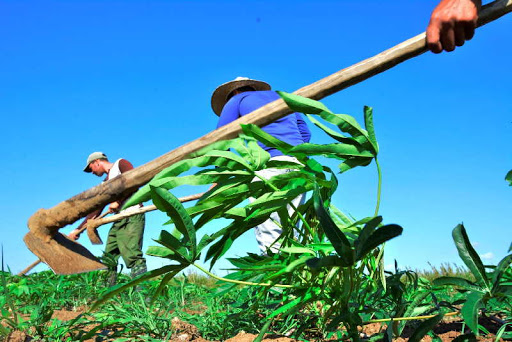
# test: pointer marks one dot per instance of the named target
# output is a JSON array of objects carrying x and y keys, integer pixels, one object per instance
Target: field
[
  {"x": 327, "y": 280},
  {"x": 47, "y": 307}
]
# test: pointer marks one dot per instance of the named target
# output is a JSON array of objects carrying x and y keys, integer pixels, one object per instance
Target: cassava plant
[
  {"x": 492, "y": 283},
  {"x": 328, "y": 263}
]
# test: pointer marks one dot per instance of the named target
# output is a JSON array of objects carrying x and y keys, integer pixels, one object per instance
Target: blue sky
[{"x": 134, "y": 79}]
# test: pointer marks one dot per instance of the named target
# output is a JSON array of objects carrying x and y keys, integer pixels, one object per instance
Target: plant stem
[
  {"x": 379, "y": 172},
  {"x": 240, "y": 281},
  {"x": 407, "y": 318}
]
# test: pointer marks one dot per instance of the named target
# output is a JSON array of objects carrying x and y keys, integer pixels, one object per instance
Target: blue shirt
[{"x": 291, "y": 129}]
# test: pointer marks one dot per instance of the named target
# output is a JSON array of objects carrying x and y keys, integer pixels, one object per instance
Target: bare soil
[{"x": 185, "y": 332}]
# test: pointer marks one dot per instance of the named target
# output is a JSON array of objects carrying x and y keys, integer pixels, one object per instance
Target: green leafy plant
[
  {"x": 325, "y": 257},
  {"x": 495, "y": 284}
]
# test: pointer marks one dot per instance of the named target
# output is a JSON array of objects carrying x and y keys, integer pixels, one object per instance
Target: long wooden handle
[
  {"x": 84, "y": 227},
  {"x": 46, "y": 222},
  {"x": 29, "y": 267},
  {"x": 117, "y": 217}
]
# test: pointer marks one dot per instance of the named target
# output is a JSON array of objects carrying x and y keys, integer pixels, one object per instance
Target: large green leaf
[
  {"x": 377, "y": 238},
  {"x": 250, "y": 150},
  {"x": 224, "y": 159},
  {"x": 354, "y": 162},
  {"x": 302, "y": 104},
  {"x": 425, "y": 327},
  {"x": 179, "y": 247},
  {"x": 340, "y": 151},
  {"x": 333, "y": 233},
  {"x": 368, "y": 123},
  {"x": 161, "y": 252},
  {"x": 365, "y": 233},
  {"x": 470, "y": 310},
  {"x": 168, "y": 203},
  {"x": 459, "y": 282},
  {"x": 265, "y": 138},
  {"x": 332, "y": 133},
  {"x": 502, "y": 267},
  {"x": 469, "y": 256}
]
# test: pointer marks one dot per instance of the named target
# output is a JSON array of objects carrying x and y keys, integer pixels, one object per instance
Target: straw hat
[{"x": 220, "y": 95}]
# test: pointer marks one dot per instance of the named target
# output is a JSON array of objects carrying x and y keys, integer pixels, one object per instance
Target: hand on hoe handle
[
  {"x": 75, "y": 233},
  {"x": 452, "y": 23}
]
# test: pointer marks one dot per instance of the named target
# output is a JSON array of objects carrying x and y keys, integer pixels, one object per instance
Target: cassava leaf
[
  {"x": 168, "y": 203},
  {"x": 265, "y": 138},
  {"x": 302, "y": 104},
  {"x": 469, "y": 256},
  {"x": 425, "y": 327},
  {"x": 354, "y": 162},
  {"x": 340, "y": 151},
  {"x": 502, "y": 266},
  {"x": 456, "y": 281},
  {"x": 470, "y": 310},
  {"x": 368, "y": 123},
  {"x": 333, "y": 233},
  {"x": 377, "y": 238}
]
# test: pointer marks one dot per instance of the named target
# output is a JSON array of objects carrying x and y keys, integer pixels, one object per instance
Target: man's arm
[
  {"x": 452, "y": 23},
  {"x": 75, "y": 234}
]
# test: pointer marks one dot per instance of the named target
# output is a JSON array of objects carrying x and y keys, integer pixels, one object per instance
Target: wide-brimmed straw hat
[{"x": 220, "y": 95}]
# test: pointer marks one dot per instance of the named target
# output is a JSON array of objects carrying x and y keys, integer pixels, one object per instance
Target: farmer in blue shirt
[{"x": 242, "y": 96}]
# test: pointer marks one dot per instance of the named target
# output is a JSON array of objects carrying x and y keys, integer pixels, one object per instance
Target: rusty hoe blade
[{"x": 63, "y": 255}]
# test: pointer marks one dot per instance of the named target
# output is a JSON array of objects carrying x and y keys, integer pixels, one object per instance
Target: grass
[{"x": 445, "y": 270}]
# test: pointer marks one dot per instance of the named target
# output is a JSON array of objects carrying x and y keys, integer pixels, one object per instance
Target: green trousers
[{"x": 125, "y": 240}]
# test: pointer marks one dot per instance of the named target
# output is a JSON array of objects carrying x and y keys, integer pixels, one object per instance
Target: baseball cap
[{"x": 92, "y": 157}]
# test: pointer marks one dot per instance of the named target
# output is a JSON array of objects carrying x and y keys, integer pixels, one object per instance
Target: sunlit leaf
[
  {"x": 470, "y": 310},
  {"x": 168, "y": 203},
  {"x": 425, "y": 327},
  {"x": 333, "y": 233},
  {"x": 469, "y": 256}
]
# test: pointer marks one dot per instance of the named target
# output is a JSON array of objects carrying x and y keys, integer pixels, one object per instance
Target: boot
[
  {"x": 111, "y": 278},
  {"x": 138, "y": 270}
]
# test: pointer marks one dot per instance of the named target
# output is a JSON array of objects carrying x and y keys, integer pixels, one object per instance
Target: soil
[{"x": 185, "y": 332}]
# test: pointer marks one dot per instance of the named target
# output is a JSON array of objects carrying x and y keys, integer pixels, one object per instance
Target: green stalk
[
  {"x": 240, "y": 281},
  {"x": 378, "y": 260},
  {"x": 379, "y": 172},
  {"x": 408, "y": 318}
]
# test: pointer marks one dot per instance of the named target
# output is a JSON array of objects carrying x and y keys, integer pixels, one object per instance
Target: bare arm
[{"x": 74, "y": 234}]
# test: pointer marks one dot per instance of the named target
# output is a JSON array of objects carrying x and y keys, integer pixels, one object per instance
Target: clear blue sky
[{"x": 134, "y": 79}]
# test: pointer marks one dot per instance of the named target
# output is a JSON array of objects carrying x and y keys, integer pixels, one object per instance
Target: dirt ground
[{"x": 186, "y": 332}]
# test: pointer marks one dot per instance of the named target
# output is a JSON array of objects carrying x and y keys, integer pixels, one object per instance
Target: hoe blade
[{"x": 63, "y": 255}]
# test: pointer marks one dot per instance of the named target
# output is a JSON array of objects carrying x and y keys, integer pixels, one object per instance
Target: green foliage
[
  {"x": 490, "y": 285},
  {"x": 328, "y": 272},
  {"x": 508, "y": 177},
  {"x": 325, "y": 257}
]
